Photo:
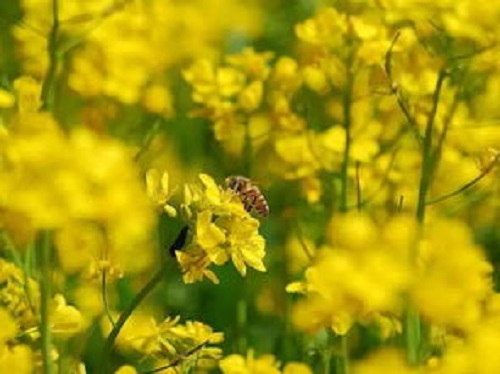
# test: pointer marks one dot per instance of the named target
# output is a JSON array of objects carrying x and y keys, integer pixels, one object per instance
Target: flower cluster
[
  {"x": 222, "y": 231},
  {"x": 182, "y": 346},
  {"x": 358, "y": 277},
  {"x": 235, "y": 364},
  {"x": 82, "y": 186}
]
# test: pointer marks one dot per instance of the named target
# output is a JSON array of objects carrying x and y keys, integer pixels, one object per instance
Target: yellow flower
[
  {"x": 209, "y": 235},
  {"x": 18, "y": 359},
  {"x": 453, "y": 275},
  {"x": 358, "y": 275},
  {"x": 297, "y": 368},
  {"x": 222, "y": 231},
  {"x": 66, "y": 320},
  {"x": 385, "y": 361},
  {"x": 170, "y": 341},
  {"x": 253, "y": 64},
  {"x": 285, "y": 75},
  {"x": 72, "y": 178},
  {"x": 9, "y": 327},
  {"x": 27, "y": 91},
  {"x": 7, "y": 100},
  {"x": 15, "y": 299},
  {"x": 127, "y": 369},
  {"x": 159, "y": 190},
  {"x": 158, "y": 99},
  {"x": 251, "y": 96},
  {"x": 14, "y": 357},
  {"x": 237, "y": 364}
]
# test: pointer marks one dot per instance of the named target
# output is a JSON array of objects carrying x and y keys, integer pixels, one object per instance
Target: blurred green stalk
[{"x": 45, "y": 298}]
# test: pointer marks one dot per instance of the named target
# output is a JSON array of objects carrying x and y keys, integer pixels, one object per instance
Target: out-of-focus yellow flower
[
  {"x": 253, "y": 64},
  {"x": 384, "y": 362},
  {"x": 18, "y": 359},
  {"x": 158, "y": 99},
  {"x": 325, "y": 29},
  {"x": 237, "y": 364},
  {"x": 251, "y": 96},
  {"x": 71, "y": 178},
  {"x": 285, "y": 75},
  {"x": 88, "y": 300},
  {"x": 27, "y": 91},
  {"x": 160, "y": 191},
  {"x": 66, "y": 320},
  {"x": 316, "y": 79},
  {"x": 298, "y": 156},
  {"x": 21, "y": 300},
  {"x": 222, "y": 231},
  {"x": 78, "y": 244},
  {"x": 9, "y": 327},
  {"x": 171, "y": 341},
  {"x": 123, "y": 50},
  {"x": 358, "y": 275},
  {"x": 453, "y": 275},
  {"x": 13, "y": 356},
  {"x": 127, "y": 369},
  {"x": 7, "y": 100},
  {"x": 297, "y": 368}
]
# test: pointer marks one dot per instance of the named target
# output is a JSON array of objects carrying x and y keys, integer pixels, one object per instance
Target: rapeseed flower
[
  {"x": 75, "y": 180},
  {"x": 452, "y": 275},
  {"x": 360, "y": 274},
  {"x": 221, "y": 231},
  {"x": 238, "y": 364},
  {"x": 13, "y": 357},
  {"x": 235, "y": 364},
  {"x": 169, "y": 341}
]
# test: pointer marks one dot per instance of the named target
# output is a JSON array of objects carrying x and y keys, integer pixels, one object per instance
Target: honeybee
[{"x": 249, "y": 194}]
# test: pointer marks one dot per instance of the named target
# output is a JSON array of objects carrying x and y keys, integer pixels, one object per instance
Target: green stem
[
  {"x": 342, "y": 358},
  {"x": 124, "y": 316},
  {"x": 247, "y": 152},
  {"x": 327, "y": 356},
  {"x": 413, "y": 326},
  {"x": 467, "y": 185},
  {"x": 47, "y": 95},
  {"x": 177, "y": 244},
  {"x": 346, "y": 105},
  {"x": 242, "y": 320},
  {"x": 45, "y": 296},
  {"x": 152, "y": 132},
  {"x": 346, "y": 112},
  {"x": 427, "y": 152}
]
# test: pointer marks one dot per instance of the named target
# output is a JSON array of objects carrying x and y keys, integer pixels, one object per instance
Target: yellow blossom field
[{"x": 249, "y": 187}]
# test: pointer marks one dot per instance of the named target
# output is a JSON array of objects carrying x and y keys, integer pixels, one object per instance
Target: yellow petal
[{"x": 207, "y": 233}]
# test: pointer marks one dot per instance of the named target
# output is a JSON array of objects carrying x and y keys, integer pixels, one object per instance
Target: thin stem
[
  {"x": 47, "y": 94},
  {"x": 427, "y": 152},
  {"x": 346, "y": 111},
  {"x": 247, "y": 152},
  {"x": 358, "y": 187},
  {"x": 178, "y": 360},
  {"x": 342, "y": 359},
  {"x": 467, "y": 185},
  {"x": 242, "y": 320},
  {"x": 177, "y": 244},
  {"x": 148, "y": 140},
  {"x": 327, "y": 358},
  {"x": 396, "y": 91},
  {"x": 124, "y": 316},
  {"x": 104, "y": 292},
  {"x": 413, "y": 326},
  {"x": 45, "y": 297}
]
